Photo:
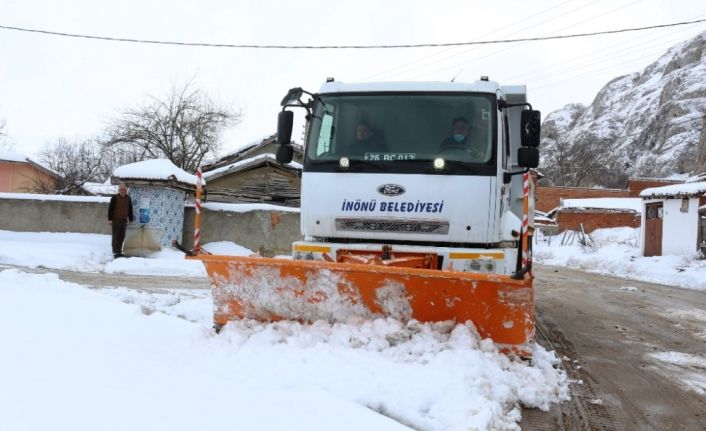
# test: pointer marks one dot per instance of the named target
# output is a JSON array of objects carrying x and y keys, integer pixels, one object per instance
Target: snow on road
[
  {"x": 88, "y": 252},
  {"x": 115, "y": 358},
  {"x": 616, "y": 251},
  {"x": 688, "y": 369},
  {"x": 119, "y": 359}
]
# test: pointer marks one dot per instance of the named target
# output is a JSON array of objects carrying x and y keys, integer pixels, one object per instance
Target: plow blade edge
[{"x": 501, "y": 308}]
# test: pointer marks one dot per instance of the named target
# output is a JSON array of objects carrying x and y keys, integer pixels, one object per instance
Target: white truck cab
[{"x": 426, "y": 168}]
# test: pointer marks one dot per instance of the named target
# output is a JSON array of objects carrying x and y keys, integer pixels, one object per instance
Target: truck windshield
[{"x": 401, "y": 132}]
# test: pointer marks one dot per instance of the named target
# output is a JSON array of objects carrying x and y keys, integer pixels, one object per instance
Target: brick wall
[
  {"x": 548, "y": 198},
  {"x": 570, "y": 219},
  {"x": 636, "y": 185}
]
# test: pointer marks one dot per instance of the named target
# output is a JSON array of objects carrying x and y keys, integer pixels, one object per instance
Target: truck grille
[{"x": 401, "y": 226}]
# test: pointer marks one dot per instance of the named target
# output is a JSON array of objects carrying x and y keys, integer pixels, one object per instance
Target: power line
[
  {"x": 436, "y": 54},
  {"x": 531, "y": 25},
  {"x": 491, "y": 54},
  {"x": 602, "y": 55},
  {"x": 420, "y": 45}
]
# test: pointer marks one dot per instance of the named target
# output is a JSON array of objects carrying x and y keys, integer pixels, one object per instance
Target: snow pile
[
  {"x": 616, "y": 251},
  {"x": 156, "y": 169},
  {"x": 72, "y": 251},
  {"x": 114, "y": 359},
  {"x": 227, "y": 248},
  {"x": 164, "y": 262},
  {"x": 316, "y": 297},
  {"x": 88, "y": 252}
]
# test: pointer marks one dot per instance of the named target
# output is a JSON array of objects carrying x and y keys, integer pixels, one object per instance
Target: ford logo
[{"x": 391, "y": 189}]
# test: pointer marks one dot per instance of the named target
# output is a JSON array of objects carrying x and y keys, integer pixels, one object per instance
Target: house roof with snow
[
  {"x": 156, "y": 170},
  {"x": 101, "y": 189},
  {"x": 13, "y": 157},
  {"x": 248, "y": 151},
  {"x": 675, "y": 191},
  {"x": 242, "y": 165},
  {"x": 617, "y": 204}
]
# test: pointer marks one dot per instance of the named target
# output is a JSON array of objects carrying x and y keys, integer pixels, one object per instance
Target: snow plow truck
[{"x": 415, "y": 204}]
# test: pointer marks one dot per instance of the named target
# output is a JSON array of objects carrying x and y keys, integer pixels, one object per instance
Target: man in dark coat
[{"x": 119, "y": 214}]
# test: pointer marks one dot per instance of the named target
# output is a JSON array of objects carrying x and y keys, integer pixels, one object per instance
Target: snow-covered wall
[{"x": 268, "y": 229}]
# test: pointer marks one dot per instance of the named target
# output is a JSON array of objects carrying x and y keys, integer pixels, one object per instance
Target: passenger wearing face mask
[
  {"x": 460, "y": 129},
  {"x": 460, "y": 140}
]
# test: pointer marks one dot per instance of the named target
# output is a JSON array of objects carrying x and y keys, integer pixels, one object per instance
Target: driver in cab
[
  {"x": 366, "y": 140},
  {"x": 459, "y": 139},
  {"x": 460, "y": 129}
]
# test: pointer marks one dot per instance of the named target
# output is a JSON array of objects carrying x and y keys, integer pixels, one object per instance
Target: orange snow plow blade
[{"x": 501, "y": 308}]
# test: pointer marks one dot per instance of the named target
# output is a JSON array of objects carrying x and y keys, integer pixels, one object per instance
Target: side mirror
[
  {"x": 527, "y": 157},
  {"x": 293, "y": 95},
  {"x": 285, "y": 153},
  {"x": 285, "y": 119},
  {"x": 530, "y": 127}
]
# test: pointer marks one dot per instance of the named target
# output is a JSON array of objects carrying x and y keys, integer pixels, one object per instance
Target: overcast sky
[{"x": 54, "y": 86}]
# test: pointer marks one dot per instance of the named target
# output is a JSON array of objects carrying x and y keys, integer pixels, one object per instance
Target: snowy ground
[
  {"x": 80, "y": 358},
  {"x": 92, "y": 253},
  {"x": 616, "y": 251}
]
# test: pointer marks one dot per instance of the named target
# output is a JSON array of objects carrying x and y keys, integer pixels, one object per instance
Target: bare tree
[
  {"x": 76, "y": 163},
  {"x": 586, "y": 162},
  {"x": 4, "y": 141},
  {"x": 114, "y": 156},
  {"x": 184, "y": 128}
]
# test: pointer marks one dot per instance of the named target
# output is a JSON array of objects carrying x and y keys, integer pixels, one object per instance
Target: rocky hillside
[{"x": 647, "y": 124}]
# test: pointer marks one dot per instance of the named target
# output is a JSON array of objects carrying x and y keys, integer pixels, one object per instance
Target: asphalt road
[{"x": 611, "y": 331}]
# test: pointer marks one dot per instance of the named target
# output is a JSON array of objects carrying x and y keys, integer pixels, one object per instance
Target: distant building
[
  {"x": 674, "y": 219},
  {"x": 252, "y": 175},
  {"x": 596, "y": 208},
  {"x": 266, "y": 145},
  {"x": 550, "y": 197},
  {"x": 20, "y": 174},
  {"x": 597, "y": 213}
]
